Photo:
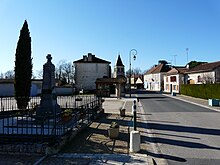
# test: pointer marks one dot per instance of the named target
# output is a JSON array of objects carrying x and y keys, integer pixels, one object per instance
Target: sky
[{"x": 69, "y": 29}]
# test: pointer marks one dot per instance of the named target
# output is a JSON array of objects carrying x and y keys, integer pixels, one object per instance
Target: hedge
[{"x": 204, "y": 91}]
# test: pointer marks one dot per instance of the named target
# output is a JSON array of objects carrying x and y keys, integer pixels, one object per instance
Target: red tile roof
[
  {"x": 205, "y": 67},
  {"x": 158, "y": 69},
  {"x": 177, "y": 70}
]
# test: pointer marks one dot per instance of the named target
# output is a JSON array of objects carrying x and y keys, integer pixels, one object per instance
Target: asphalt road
[{"x": 185, "y": 133}]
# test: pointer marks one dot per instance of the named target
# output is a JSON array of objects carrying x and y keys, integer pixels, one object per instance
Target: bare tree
[
  {"x": 136, "y": 71},
  {"x": 10, "y": 74},
  {"x": 39, "y": 74},
  {"x": 64, "y": 71},
  {"x": 208, "y": 78},
  {"x": 1, "y": 75}
]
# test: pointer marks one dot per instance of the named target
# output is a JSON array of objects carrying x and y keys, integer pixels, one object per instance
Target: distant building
[
  {"x": 174, "y": 78},
  {"x": 119, "y": 69},
  {"x": 154, "y": 77},
  {"x": 119, "y": 74},
  {"x": 88, "y": 69},
  {"x": 204, "y": 73}
]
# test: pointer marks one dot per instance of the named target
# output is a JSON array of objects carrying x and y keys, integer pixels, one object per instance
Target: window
[
  {"x": 199, "y": 79},
  {"x": 173, "y": 79}
]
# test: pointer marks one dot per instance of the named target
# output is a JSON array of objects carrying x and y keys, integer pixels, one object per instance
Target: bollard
[
  {"x": 135, "y": 140},
  {"x": 135, "y": 115}
]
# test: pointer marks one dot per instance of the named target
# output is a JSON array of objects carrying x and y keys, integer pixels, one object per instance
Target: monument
[{"x": 48, "y": 104}]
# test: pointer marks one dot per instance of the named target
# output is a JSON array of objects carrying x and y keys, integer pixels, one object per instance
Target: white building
[
  {"x": 153, "y": 78},
  {"x": 174, "y": 78},
  {"x": 204, "y": 73},
  {"x": 88, "y": 69}
]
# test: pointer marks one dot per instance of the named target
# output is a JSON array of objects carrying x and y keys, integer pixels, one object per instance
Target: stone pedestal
[{"x": 48, "y": 105}]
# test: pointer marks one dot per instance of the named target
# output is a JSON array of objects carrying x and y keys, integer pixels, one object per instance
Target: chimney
[
  {"x": 90, "y": 56},
  {"x": 85, "y": 58}
]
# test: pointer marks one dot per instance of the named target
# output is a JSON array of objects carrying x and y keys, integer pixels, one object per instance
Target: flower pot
[
  {"x": 113, "y": 132},
  {"x": 122, "y": 112},
  {"x": 66, "y": 118}
]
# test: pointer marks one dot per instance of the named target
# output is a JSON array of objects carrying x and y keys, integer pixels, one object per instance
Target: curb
[
  {"x": 191, "y": 102},
  {"x": 155, "y": 147}
]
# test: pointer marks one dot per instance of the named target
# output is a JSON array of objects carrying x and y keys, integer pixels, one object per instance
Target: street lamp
[{"x": 133, "y": 53}]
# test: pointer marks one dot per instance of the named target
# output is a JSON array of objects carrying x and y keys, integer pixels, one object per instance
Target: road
[{"x": 185, "y": 133}]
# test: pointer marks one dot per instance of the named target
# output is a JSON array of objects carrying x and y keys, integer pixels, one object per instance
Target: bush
[{"x": 204, "y": 91}]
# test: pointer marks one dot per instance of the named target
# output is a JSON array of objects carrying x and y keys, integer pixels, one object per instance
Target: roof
[
  {"x": 91, "y": 59},
  {"x": 150, "y": 70},
  {"x": 158, "y": 69},
  {"x": 119, "y": 61},
  {"x": 205, "y": 67},
  {"x": 177, "y": 70}
]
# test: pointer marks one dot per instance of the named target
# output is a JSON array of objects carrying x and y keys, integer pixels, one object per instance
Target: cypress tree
[{"x": 23, "y": 68}]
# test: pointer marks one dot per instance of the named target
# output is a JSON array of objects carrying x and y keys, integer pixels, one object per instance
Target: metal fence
[{"x": 25, "y": 126}]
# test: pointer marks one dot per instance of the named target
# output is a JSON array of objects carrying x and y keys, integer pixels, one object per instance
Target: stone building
[
  {"x": 119, "y": 74},
  {"x": 88, "y": 69}
]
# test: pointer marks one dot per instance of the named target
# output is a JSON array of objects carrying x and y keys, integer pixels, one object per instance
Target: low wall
[{"x": 65, "y": 91}]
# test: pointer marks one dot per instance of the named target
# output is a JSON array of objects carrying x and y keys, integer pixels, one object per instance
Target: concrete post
[{"x": 135, "y": 140}]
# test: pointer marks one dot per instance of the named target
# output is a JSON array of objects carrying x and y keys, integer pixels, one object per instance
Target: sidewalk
[
  {"x": 193, "y": 100},
  {"x": 93, "y": 146}
]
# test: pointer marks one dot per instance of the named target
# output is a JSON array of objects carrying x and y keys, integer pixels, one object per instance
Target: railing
[{"x": 25, "y": 126}]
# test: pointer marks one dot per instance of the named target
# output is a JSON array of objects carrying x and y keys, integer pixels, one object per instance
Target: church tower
[
  {"x": 119, "y": 75},
  {"x": 119, "y": 69}
]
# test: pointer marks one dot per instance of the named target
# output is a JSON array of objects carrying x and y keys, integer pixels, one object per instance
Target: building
[
  {"x": 154, "y": 77},
  {"x": 204, "y": 73},
  {"x": 88, "y": 69},
  {"x": 174, "y": 78},
  {"x": 119, "y": 69},
  {"x": 119, "y": 74}
]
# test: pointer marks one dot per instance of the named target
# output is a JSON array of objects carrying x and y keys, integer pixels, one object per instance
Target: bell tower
[
  {"x": 119, "y": 75},
  {"x": 119, "y": 69}
]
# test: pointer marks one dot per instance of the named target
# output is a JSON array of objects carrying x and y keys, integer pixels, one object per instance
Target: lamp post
[{"x": 133, "y": 53}]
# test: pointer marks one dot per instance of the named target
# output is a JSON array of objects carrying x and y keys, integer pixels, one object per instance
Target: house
[
  {"x": 88, "y": 69},
  {"x": 153, "y": 78},
  {"x": 204, "y": 73},
  {"x": 174, "y": 78}
]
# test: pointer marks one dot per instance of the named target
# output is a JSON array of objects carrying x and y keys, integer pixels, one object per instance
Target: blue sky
[{"x": 68, "y": 29}]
